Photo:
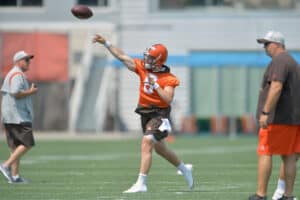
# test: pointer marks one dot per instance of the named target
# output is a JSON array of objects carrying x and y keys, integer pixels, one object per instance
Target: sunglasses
[
  {"x": 266, "y": 44},
  {"x": 27, "y": 60}
]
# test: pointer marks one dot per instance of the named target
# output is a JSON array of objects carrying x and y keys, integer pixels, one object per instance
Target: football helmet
[{"x": 155, "y": 56}]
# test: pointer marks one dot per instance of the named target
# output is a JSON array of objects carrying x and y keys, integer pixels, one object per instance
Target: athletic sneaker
[
  {"x": 6, "y": 172},
  {"x": 256, "y": 197},
  {"x": 188, "y": 166},
  {"x": 189, "y": 177},
  {"x": 136, "y": 188},
  {"x": 278, "y": 194},
  {"x": 18, "y": 180}
]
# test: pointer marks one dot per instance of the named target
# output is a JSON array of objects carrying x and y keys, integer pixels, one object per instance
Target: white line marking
[{"x": 116, "y": 156}]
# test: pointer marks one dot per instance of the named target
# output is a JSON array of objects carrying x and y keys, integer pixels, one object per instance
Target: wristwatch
[{"x": 265, "y": 113}]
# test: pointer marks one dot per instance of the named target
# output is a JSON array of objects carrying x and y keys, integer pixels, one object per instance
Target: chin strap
[{"x": 161, "y": 69}]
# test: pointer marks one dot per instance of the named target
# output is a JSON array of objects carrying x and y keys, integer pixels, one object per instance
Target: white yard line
[{"x": 116, "y": 156}]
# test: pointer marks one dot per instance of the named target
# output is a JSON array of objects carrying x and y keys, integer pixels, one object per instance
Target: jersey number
[{"x": 148, "y": 88}]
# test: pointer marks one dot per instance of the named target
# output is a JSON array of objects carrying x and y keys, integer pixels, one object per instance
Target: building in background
[{"x": 211, "y": 45}]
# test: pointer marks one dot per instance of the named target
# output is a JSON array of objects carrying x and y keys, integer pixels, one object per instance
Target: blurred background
[{"x": 212, "y": 50}]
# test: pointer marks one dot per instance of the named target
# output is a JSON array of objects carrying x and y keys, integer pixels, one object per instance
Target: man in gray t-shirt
[
  {"x": 17, "y": 115},
  {"x": 278, "y": 115}
]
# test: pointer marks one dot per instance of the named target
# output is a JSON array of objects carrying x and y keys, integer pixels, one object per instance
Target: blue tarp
[{"x": 219, "y": 59}]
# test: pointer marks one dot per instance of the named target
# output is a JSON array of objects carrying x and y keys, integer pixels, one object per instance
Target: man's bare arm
[{"x": 116, "y": 52}]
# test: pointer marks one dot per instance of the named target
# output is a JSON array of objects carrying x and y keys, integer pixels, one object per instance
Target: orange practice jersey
[{"x": 148, "y": 95}]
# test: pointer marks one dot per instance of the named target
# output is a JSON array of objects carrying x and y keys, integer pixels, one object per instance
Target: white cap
[
  {"x": 272, "y": 36},
  {"x": 22, "y": 55}
]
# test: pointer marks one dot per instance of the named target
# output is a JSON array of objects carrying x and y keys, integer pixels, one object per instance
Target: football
[{"x": 81, "y": 11}]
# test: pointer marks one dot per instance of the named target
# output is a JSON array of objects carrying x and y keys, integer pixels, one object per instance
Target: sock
[
  {"x": 142, "y": 179},
  {"x": 15, "y": 177},
  {"x": 181, "y": 167},
  {"x": 281, "y": 184}
]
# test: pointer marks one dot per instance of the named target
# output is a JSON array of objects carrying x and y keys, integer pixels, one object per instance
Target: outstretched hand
[
  {"x": 116, "y": 52},
  {"x": 98, "y": 38}
]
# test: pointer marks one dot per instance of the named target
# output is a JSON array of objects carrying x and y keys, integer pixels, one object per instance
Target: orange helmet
[{"x": 155, "y": 56}]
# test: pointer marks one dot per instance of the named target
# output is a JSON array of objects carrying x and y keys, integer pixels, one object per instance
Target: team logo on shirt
[{"x": 148, "y": 88}]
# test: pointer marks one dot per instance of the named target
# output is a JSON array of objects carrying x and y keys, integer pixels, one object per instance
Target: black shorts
[
  {"x": 19, "y": 134},
  {"x": 151, "y": 119}
]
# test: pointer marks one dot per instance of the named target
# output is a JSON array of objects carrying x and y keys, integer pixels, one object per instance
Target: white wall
[{"x": 136, "y": 24}]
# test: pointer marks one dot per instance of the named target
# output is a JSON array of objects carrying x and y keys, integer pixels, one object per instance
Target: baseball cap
[
  {"x": 272, "y": 36},
  {"x": 22, "y": 55}
]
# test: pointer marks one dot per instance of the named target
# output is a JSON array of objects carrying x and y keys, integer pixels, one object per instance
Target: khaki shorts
[
  {"x": 19, "y": 134},
  {"x": 279, "y": 140}
]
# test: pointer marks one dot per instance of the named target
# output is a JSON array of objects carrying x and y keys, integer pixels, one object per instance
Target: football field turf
[{"x": 224, "y": 169}]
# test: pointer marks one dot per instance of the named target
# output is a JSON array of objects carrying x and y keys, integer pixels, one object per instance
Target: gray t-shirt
[
  {"x": 285, "y": 69},
  {"x": 15, "y": 111}
]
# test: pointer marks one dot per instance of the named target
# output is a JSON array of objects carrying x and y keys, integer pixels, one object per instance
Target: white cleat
[
  {"x": 188, "y": 175},
  {"x": 189, "y": 178},
  {"x": 188, "y": 166},
  {"x": 277, "y": 194},
  {"x": 136, "y": 188}
]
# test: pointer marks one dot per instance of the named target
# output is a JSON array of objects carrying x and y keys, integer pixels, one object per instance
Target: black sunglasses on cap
[
  {"x": 27, "y": 60},
  {"x": 267, "y": 44}
]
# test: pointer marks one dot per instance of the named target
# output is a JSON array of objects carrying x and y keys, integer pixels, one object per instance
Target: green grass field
[{"x": 71, "y": 169}]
